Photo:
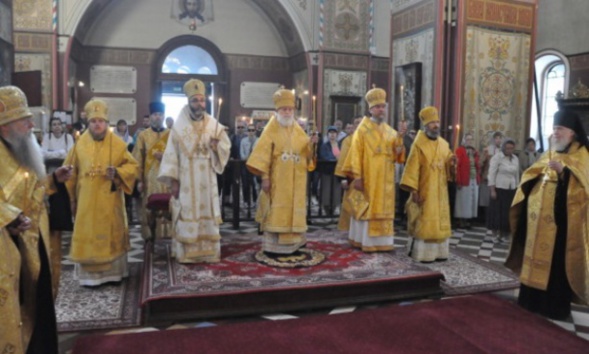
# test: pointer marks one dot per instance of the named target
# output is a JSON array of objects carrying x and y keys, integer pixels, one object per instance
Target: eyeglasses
[
  {"x": 251, "y": 130},
  {"x": 239, "y": 127}
]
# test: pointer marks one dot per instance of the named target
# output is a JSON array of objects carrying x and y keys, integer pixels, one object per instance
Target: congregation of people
[{"x": 373, "y": 177}]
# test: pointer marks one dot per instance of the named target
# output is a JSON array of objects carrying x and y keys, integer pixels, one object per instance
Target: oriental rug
[
  {"x": 167, "y": 281},
  {"x": 107, "y": 306},
  {"x": 239, "y": 284},
  {"x": 467, "y": 324},
  {"x": 465, "y": 274}
]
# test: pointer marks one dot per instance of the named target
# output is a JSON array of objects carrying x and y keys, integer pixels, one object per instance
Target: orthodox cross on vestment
[{"x": 94, "y": 171}]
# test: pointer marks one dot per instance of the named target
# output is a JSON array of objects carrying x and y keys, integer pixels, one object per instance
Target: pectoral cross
[{"x": 95, "y": 171}]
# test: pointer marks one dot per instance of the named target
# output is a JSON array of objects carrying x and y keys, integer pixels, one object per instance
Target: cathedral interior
[{"x": 487, "y": 65}]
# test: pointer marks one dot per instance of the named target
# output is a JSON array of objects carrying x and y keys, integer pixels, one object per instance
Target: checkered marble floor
[{"x": 476, "y": 240}]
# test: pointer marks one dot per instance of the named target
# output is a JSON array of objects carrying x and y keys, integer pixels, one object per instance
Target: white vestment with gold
[{"x": 189, "y": 159}]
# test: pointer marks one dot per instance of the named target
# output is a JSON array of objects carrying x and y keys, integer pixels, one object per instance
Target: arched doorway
[{"x": 186, "y": 57}]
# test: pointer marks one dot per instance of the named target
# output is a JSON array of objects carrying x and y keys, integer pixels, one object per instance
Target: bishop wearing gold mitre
[
  {"x": 197, "y": 150},
  {"x": 26, "y": 296},
  {"x": 281, "y": 157},
  {"x": 428, "y": 169},
  {"x": 376, "y": 147},
  {"x": 148, "y": 151},
  {"x": 103, "y": 171}
]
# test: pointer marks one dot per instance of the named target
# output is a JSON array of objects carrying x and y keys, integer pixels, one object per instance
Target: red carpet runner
[{"x": 473, "y": 324}]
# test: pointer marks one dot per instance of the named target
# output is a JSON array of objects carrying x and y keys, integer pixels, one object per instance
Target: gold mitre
[
  {"x": 194, "y": 87},
  {"x": 96, "y": 109},
  {"x": 376, "y": 96},
  {"x": 283, "y": 98},
  {"x": 428, "y": 114},
  {"x": 13, "y": 105}
]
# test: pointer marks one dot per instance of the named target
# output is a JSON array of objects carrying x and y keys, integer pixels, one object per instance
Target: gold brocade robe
[
  {"x": 101, "y": 233},
  {"x": 530, "y": 254},
  {"x": 148, "y": 143},
  {"x": 372, "y": 158},
  {"x": 282, "y": 154},
  {"x": 427, "y": 172},
  {"x": 343, "y": 223},
  {"x": 188, "y": 159},
  {"x": 20, "y": 267}
]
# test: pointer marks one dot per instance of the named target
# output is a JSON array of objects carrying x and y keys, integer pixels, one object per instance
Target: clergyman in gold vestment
[
  {"x": 26, "y": 295},
  {"x": 148, "y": 151},
  {"x": 343, "y": 223},
  {"x": 197, "y": 150},
  {"x": 549, "y": 219},
  {"x": 376, "y": 147},
  {"x": 281, "y": 157},
  {"x": 429, "y": 167},
  {"x": 103, "y": 171}
]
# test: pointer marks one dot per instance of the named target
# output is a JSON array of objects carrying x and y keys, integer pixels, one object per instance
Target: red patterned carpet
[
  {"x": 240, "y": 285},
  {"x": 470, "y": 324}
]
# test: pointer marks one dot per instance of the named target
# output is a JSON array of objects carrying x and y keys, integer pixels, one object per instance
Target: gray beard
[
  {"x": 431, "y": 134},
  {"x": 560, "y": 146},
  {"x": 27, "y": 153},
  {"x": 285, "y": 122},
  {"x": 197, "y": 114}
]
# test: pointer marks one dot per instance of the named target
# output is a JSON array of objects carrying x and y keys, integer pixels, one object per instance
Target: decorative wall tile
[
  {"x": 33, "y": 15},
  {"x": 347, "y": 25},
  {"x": 32, "y": 62}
]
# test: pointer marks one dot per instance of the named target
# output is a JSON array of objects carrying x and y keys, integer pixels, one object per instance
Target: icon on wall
[{"x": 408, "y": 94}]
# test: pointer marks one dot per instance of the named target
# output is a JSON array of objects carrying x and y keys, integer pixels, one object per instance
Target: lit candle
[
  {"x": 550, "y": 148},
  {"x": 110, "y": 150},
  {"x": 76, "y": 137},
  {"x": 402, "y": 104},
  {"x": 24, "y": 208},
  {"x": 314, "y": 111},
  {"x": 218, "y": 115},
  {"x": 456, "y": 136}
]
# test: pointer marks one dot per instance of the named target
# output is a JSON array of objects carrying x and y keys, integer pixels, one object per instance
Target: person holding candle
[
  {"x": 28, "y": 285},
  {"x": 429, "y": 168},
  {"x": 370, "y": 163},
  {"x": 198, "y": 149},
  {"x": 548, "y": 218},
  {"x": 149, "y": 151},
  {"x": 103, "y": 171},
  {"x": 281, "y": 157}
]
